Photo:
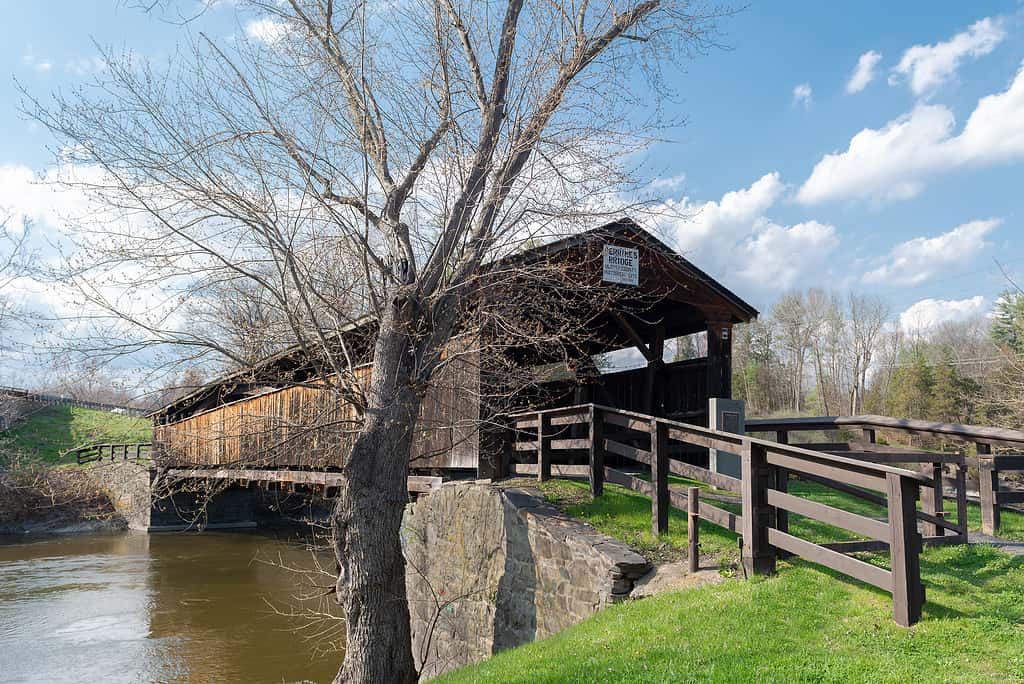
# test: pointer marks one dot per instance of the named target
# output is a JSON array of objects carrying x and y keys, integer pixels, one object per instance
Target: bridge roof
[{"x": 687, "y": 300}]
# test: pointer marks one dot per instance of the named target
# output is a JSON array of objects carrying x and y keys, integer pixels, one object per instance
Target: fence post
[
  {"x": 961, "y": 499},
  {"x": 905, "y": 548},
  {"x": 693, "y": 527},
  {"x": 758, "y": 556},
  {"x": 543, "y": 452},
  {"x": 782, "y": 485},
  {"x": 988, "y": 478},
  {"x": 505, "y": 449},
  {"x": 931, "y": 501},
  {"x": 596, "y": 452},
  {"x": 659, "y": 477}
]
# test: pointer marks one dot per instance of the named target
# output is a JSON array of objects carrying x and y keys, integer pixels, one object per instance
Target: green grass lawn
[
  {"x": 44, "y": 435},
  {"x": 806, "y": 624},
  {"x": 626, "y": 515}
]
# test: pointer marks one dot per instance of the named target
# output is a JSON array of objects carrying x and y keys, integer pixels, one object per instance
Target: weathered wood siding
[
  {"x": 684, "y": 390},
  {"x": 306, "y": 427}
]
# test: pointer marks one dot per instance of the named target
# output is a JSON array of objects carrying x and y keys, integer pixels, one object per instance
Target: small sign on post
[
  {"x": 621, "y": 265},
  {"x": 727, "y": 415}
]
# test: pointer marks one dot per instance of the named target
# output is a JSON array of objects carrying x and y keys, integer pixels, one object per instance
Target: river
[{"x": 131, "y": 607}]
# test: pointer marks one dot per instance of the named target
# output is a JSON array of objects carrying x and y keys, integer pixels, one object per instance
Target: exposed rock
[{"x": 492, "y": 567}]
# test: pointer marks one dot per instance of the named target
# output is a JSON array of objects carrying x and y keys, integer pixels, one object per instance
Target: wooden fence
[
  {"x": 765, "y": 501},
  {"x": 58, "y": 400},
  {"x": 947, "y": 469},
  {"x": 135, "y": 451}
]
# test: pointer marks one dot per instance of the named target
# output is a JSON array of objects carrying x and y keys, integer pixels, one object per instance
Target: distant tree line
[{"x": 820, "y": 352}]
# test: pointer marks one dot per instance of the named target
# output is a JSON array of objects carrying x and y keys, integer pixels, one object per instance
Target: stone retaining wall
[
  {"x": 490, "y": 568},
  {"x": 129, "y": 486},
  {"x": 148, "y": 505}
]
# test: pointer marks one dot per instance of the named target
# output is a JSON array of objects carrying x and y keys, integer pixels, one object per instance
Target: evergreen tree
[
  {"x": 913, "y": 385},
  {"x": 1008, "y": 322},
  {"x": 953, "y": 393}
]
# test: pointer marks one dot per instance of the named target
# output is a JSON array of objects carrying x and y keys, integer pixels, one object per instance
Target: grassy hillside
[
  {"x": 54, "y": 429},
  {"x": 806, "y": 624},
  {"x": 803, "y": 625}
]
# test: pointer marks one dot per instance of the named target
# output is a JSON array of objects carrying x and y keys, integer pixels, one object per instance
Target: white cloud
[
  {"x": 668, "y": 183},
  {"x": 84, "y": 66},
  {"x": 775, "y": 257},
  {"x": 864, "y": 73},
  {"x": 58, "y": 214},
  {"x": 40, "y": 65},
  {"x": 733, "y": 238},
  {"x": 925, "y": 67},
  {"x": 895, "y": 161},
  {"x": 916, "y": 261},
  {"x": 266, "y": 30},
  {"x": 710, "y": 226},
  {"x": 803, "y": 95},
  {"x": 926, "y": 314},
  {"x": 883, "y": 164},
  {"x": 37, "y": 199}
]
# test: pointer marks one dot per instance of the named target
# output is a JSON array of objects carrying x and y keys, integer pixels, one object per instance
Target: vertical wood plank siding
[{"x": 306, "y": 427}]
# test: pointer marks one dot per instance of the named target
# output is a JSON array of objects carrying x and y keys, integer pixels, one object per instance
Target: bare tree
[
  {"x": 14, "y": 263},
  {"x": 420, "y": 140},
  {"x": 828, "y": 346},
  {"x": 796, "y": 331},
  {"x": 868, "y": 318},
  {"x": 86, "y": 381}
]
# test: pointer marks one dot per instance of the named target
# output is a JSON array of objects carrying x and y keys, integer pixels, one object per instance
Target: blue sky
[
  {"x": 791, "y": 175},
  {"x": 744, "y": 122}
]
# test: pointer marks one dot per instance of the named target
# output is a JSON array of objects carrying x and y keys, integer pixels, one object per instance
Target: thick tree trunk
[{"x": 367, "y": 520}]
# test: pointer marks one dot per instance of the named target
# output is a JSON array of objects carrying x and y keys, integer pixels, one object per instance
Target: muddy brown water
[{"x": 169, "y": 607}]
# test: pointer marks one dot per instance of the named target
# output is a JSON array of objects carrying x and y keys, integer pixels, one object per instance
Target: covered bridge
[{"x": 619, "y": 284}]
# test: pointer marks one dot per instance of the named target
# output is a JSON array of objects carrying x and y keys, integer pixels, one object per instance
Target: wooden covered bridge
[
  {"x": 638, "y": 428},
  {"x": 267, "y": 417}
]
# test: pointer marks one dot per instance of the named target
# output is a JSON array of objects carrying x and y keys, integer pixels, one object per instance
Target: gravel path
[{"x": 1011, "y": 547}]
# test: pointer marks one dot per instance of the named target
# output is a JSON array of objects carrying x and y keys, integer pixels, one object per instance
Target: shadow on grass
[{"x": 44, "y": 435}]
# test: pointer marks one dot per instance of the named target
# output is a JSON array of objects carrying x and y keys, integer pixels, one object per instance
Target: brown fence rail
[
  {"x": 765, "y": 501},
  {"x": 91, "y": 453},
  {"x": 944, "y": 468}
]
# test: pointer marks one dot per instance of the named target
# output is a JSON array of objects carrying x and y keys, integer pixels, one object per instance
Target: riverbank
[{"x": 38, "y": 501}]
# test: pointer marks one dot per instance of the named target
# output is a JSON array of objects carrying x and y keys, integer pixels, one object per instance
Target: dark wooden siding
[
  {"x": 684, "y": 390},
  {"x": 307, "y": 427}
]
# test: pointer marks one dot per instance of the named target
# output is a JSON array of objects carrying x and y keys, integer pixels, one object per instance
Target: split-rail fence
[
  {"x": 945, "y": 469},
  {"x": 605, "y": 433}
]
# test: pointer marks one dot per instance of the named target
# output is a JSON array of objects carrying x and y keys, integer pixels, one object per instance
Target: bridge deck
[{"x": 416, "y": 483}]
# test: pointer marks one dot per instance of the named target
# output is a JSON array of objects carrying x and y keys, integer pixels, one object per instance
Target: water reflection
[{"x": 161, "y": 608}]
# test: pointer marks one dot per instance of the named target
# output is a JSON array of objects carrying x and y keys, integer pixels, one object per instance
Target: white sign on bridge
[{"x": 621, "y": 265}]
